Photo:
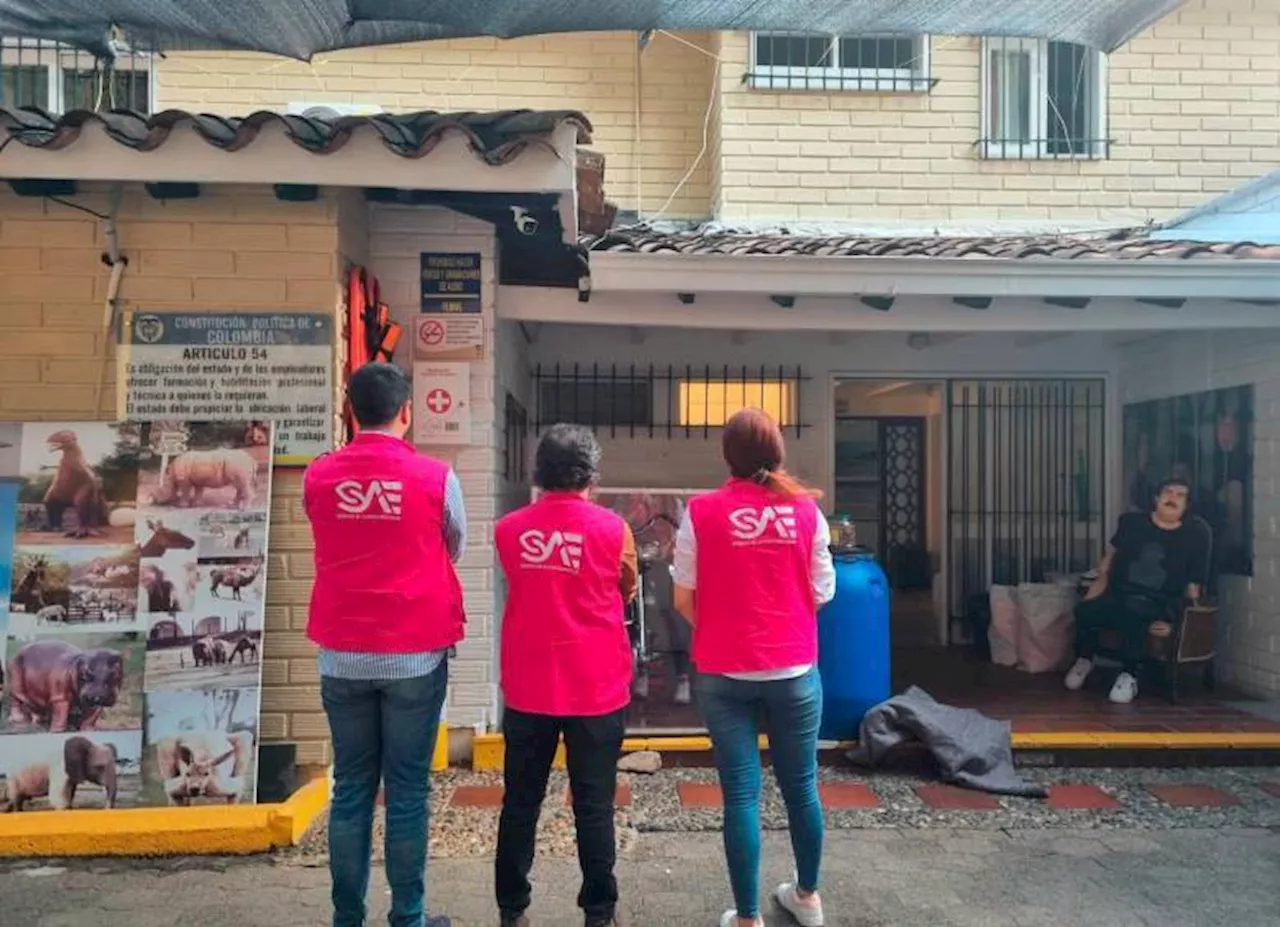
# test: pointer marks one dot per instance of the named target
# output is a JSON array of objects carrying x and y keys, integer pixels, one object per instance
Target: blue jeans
[
  {"x": 383, "y": 731},
  {"x": 790, "y": 710}
]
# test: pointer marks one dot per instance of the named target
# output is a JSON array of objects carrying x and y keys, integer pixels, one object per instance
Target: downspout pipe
[{"x": 117, "y": 262}]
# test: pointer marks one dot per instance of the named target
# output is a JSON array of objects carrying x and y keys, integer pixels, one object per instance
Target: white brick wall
[
  {"x": 398, "y": 235},
  {"x": 1174, "y": 365}
]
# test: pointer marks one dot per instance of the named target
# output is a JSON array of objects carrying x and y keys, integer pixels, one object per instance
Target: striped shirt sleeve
[{"x": 455, "y": 518}]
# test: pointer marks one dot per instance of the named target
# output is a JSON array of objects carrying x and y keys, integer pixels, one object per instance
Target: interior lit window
[{"x": 712, "y": 403}]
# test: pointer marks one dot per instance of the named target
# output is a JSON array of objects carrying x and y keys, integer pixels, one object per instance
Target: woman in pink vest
[
  {"x": 752, "y": 566},
  {"x": 566, "y": 668}
]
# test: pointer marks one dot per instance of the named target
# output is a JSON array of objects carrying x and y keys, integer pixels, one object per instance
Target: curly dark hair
[{"x": 567, "y": 459}]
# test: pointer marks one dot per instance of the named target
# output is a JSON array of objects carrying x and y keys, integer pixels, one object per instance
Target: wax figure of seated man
[{"x": 1155, "y": 561}]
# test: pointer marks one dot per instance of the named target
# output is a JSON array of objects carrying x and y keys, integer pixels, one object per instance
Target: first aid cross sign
[{"x": 439, "y": 401}]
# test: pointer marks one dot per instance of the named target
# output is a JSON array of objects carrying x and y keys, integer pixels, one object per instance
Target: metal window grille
[
  {"x": 669, "y": 401},
  {"x": 1043, "y": 100},
  {"x": 1026, "y": 492},
  {"x": 515, "y": 449},
  {"x": 58, "y": 78},
  {"x": 800, "y": 61}
]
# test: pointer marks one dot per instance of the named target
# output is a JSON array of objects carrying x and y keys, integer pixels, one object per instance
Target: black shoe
[
  {"x": 602, "y": 921},
  {"x": 515, "y": 920},
  {"x": 438, "y": 921}
]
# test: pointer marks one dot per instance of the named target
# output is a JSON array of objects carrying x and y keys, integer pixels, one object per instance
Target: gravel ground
[{"x": 463, "y": 832}]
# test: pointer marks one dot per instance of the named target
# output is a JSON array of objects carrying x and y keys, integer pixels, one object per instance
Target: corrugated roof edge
[
  {"x": 1125, "y": 244},
  {"x": 495, "y": 137}
]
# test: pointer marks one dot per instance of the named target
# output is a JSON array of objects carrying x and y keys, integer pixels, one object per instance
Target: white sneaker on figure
[
  {"x": 730, "y": 919},
  {"x": 683, "y": 695},
  {"x": 1125, "y": 690},
  {"x": 807, "y": 912},
  {"x": 1078, "y": 673}
]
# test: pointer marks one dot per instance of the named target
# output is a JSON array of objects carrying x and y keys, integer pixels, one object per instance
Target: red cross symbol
[{"x": 439, "y": 401}]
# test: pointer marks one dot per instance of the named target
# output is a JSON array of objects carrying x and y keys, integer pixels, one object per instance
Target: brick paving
[{"x": 856, "y": 794}]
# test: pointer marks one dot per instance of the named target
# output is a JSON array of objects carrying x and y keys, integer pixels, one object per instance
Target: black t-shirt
[{"x": 1150, "y": 561}]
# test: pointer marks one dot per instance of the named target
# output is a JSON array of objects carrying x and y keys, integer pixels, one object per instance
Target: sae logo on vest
[
  {"x": 372, "y": 499},
  {"x": 559, "y": 550},
  {"x": 773, "y": 524}
]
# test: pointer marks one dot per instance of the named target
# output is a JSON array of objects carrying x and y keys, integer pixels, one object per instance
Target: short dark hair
[
  {"x": 1172, "y": 482},
  {"x": 377, "y": 392},
  {"x": 567, "y": 459}
]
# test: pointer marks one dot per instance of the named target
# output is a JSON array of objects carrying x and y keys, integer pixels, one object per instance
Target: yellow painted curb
[
  {"x": 487, "y": 750},
  {"x": 204, "y": 831}
]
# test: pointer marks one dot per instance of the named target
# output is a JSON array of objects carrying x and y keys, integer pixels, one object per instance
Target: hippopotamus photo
[{"x": 61, "y": 687}]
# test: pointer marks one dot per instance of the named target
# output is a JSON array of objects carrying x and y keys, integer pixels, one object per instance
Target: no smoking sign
[{"x": 449, "y": 337}]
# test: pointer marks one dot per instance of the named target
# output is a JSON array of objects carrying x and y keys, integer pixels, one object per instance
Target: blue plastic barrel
[{"x": 853, "y": 645}]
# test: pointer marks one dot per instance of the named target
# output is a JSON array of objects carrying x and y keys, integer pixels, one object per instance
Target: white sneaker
[
  {"x": 806, "y": 914},
  {"x": 641, "y": 687},
  {"x": 1078, "y": 673},
  {"x": 1125, "y": 690},
  {"x": 730, "y": 919},
  {"x": 683, "y": 696}
]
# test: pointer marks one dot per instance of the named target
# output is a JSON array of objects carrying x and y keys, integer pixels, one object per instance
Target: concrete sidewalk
[{"x": 886, "y": 878}]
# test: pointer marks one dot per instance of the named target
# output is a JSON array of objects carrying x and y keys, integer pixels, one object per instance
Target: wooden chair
[{"x": 1191, "y": 636}]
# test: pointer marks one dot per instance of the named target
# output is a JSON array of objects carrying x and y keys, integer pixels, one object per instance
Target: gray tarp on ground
[
  {"x": 302, "y": 28},
  {"x": 972, "y": 750}
]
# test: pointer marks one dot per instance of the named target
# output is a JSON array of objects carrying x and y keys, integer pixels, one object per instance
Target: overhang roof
[
  {"x": 496, "y": 137},
  {"x": 1124, "y": 245},
  {"x": 1122, "y": 264}
]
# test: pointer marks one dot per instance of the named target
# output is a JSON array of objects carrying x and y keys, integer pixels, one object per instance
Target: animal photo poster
[{"x": 133, "y": 565}]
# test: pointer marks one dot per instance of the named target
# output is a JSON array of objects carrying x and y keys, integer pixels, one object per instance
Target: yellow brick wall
[
  {"x": 648, "y": 109},
  {"x": 234, "y": 248},
  {"x": 1194, "y": 112}
]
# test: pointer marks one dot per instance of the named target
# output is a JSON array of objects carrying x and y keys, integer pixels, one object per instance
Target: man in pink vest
[
  {"x": 386, "y": 609},
  {"x": 566, "y": 668}
]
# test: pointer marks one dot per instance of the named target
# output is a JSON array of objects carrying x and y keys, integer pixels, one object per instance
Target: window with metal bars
[
  {"x": 1042, "y": 100},
  {"x": 59, "y": 78},
  {"x": 650, "y": 400},
  {"x": 515, "y": 438},
  {"x": 800, "y": 61}
]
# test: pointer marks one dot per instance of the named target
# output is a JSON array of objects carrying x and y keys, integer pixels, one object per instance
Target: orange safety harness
[{"x": 371, "y": 335}]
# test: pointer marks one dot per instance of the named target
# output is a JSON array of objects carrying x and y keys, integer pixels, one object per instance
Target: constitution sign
[{"x": 232, "y": 366}]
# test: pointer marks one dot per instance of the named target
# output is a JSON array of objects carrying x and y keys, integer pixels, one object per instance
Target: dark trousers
[
  {"x": 383, "y": 732},
  {"x": 1129, "y": 617},
  {"x": 593, "y": 746}
]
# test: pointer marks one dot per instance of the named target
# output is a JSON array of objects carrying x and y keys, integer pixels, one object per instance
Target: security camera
[{"x": 525, "y": 224}]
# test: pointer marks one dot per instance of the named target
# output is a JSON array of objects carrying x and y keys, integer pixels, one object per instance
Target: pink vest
[
  {"x": 384, "y": 581},
  {"x": 564, "y": 640},
  {"x": 754, "y": 600}
]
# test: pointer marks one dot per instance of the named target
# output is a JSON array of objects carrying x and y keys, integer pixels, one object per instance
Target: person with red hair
[{"x": 752, "y": 567}]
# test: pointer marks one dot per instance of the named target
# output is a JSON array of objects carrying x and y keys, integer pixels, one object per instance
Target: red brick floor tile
[
  {"x": 478, "y": 796},
  {"x": 700, "y": 795},
  {"x": 953, "y": 798},
  {"x": 621, "y": 798},
  {"x": 1193, "y": 796},
  {"x": 847, "y": 796},
  {"x": 1080, "y": 798},
  {"x": 1271, "y": 788}
]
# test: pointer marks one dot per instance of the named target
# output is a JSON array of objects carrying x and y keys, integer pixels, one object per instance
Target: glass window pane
[
  {"x": 878, "y": 54},
  {"x": 24, "y": 85},
  {"x": 794, "y": 51},
  {"x": 129, "y": 89},
  {"x": 712, "y": 404},
  {"x": 1010, "y": 92},
  {"x": 1070, "y": 91}
]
